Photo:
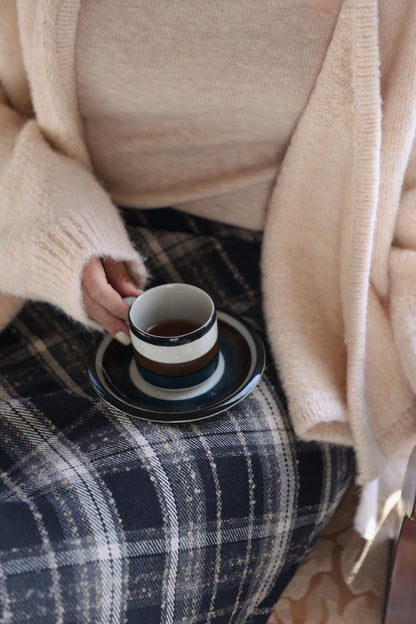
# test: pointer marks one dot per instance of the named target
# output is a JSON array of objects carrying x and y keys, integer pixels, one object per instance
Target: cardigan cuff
[
  {"x": 55, "y": 217},
  {"x": 60, "y": 256}
]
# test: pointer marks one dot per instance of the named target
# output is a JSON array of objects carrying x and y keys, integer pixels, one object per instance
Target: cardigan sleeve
[
  {"x": 54, "y": 218},
  {"x": 403, "y": 274}
]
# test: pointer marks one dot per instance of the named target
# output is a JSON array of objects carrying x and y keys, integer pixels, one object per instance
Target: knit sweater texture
[
  {"x": 193, "y": 107},
  {"x": 339, "y": 247}
]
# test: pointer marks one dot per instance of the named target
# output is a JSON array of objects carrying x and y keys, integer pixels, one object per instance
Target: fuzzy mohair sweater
[{"x": 339, "y": 247}]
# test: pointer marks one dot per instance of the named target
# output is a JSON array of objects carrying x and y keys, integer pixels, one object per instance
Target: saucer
[{"x": 117, "y": 380}]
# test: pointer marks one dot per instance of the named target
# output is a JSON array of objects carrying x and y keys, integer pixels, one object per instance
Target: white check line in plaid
[
  {"x": 167, "y": 502},
  {"x": 107, "y": 519}
]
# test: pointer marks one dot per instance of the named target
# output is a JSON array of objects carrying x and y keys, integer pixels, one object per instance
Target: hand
[{"x": 104, "y": 284}]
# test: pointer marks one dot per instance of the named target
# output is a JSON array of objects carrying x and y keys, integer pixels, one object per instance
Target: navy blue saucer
[{"x": 117, "y": 380}]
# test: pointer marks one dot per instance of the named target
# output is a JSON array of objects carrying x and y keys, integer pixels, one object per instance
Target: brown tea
[{"x": 172, "y": 327}]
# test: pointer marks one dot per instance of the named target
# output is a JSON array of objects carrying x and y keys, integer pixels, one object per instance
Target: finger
[
  {"x": 114, "y": 325},
  {"x": 119, "y": 278},
  {"x": 95, "y": 282}
]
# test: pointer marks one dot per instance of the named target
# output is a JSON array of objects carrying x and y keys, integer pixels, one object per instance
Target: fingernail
[{"x": 123, "y": 338}]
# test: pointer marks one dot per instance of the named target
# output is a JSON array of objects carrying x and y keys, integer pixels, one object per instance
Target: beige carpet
[{"x": 336, "y": 584}]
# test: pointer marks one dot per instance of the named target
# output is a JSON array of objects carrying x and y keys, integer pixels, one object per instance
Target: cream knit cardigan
[{"x": 339, "y": 251}]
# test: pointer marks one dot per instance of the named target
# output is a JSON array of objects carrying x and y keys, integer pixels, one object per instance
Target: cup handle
[{"x": 129, "y": 300}]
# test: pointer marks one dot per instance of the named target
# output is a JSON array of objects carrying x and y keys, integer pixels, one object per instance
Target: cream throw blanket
[{"x": 339, "y": 252}]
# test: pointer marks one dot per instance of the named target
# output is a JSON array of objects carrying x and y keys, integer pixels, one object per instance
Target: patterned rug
[{"x": 340, "y": 582}]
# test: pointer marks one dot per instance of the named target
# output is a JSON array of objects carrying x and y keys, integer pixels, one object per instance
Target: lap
[{"x": 104, "y": 517}]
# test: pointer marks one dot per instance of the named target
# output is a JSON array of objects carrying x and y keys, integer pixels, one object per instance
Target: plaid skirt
[{"x": 108, "y": 519}]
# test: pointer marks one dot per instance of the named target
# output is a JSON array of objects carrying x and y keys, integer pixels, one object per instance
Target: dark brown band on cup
[{"x": 180, "y": 368}]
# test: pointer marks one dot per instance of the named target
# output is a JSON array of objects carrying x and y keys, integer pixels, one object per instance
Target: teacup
[{"x": 174, "y": 333}]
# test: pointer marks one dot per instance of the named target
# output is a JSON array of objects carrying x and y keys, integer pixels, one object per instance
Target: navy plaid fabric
[{"x": 108, "y": 519}]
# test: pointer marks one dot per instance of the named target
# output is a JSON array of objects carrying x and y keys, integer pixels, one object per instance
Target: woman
[{"x": 134, "y": 105}]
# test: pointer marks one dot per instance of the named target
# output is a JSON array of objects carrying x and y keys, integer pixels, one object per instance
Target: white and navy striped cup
[{"x": 181, "y": 361}]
